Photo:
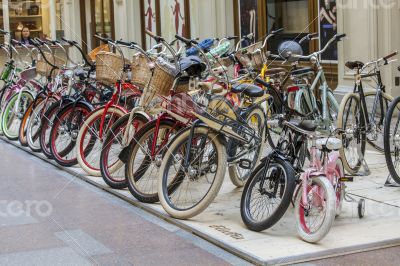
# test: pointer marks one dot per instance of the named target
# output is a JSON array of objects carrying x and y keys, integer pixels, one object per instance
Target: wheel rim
[{"x": 184, "y": 190}]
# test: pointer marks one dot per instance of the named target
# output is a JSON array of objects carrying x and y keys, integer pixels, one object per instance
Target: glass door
[{"x": 102, "y": 12}]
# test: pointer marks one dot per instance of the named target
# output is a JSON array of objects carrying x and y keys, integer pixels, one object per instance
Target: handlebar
[
  {"x": 188, "y": 42},
  {"x": 4, "y": 32},
  {"x": 390, "y": 55},
  {"x": 158, "y": 39}
]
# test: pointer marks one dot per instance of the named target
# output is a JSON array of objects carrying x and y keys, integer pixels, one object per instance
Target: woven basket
[
  {"x": 224, "y": 61},
  {"x": 109, "y": 67},
  {"x": 141, "y": 70},
  {"x": 160, "y": 83},
  {"x": 250, "y": 56},
  {"x": 44, "y": 69}
]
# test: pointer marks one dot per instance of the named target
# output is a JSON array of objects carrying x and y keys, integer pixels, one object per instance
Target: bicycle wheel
[
  {"x": 267, "y": 194},
  {"x": 22, "y": 128},
  {"x": 34, "y": 125},
  {"x": 375, "y": 134},
  {"x": 142, "y": 167},
  {"x": 111, "y": 166},
  {"x": 12, "y": 114},
  {"x": 5, "y": 93},
  {"x": 339, "y": 186},
  {"x": 65, "y": 131},
  {"x": 315, "y": 216},
  {"x": 353, "y": 141},
  {"x": 47, "y": 124},
  {"x": 89, "y": 142},
  {"x": 184, "y": 193},
  {"x": 392, "y": 139},
  {"x": 272, "y": 129},
  {"x": 237, "y": 174}
]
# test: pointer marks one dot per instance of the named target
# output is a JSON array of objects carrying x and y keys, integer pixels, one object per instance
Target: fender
[
  {"x": 74, "y": 103},
  {"x": 111, "y": 106}
]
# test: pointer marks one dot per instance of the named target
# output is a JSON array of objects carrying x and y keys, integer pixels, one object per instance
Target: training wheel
[{"x": 361, "y": 208}]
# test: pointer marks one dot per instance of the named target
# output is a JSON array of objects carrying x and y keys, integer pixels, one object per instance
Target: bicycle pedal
[
  {"x": 346, "y": 179},
  {"x": 245, "y": 164}
]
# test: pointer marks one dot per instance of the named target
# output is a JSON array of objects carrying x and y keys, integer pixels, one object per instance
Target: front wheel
[
  {"x": 90, "y": 142},
  {"x": 14, "y": 112},
  {"x": 65, "y": 131},
  {"x": 267, "y": 194},
  {"x": 187, "y": 187},
  {"x": 391, "y": 140},
  {"x": 316, "y": 212}
]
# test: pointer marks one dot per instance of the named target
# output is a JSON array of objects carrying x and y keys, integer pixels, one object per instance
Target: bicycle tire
[
  {"x": 25, "y": 95},
  {"x": 237, "y": 178},
  {"x": 66, "y": 156},
  {"x": 356, "y": 130},
  {"x": 111, "y": 173},
  {"x": 22, "y": 129},
  {"x": 167, "y": 195},
  {"x": 84, "y": 152},
  {"x": 289, "y": 185},
  {"x": 135, "y": 176},
  {"x": 393, "y": 108},
  {"x": 330, "y": 211}
]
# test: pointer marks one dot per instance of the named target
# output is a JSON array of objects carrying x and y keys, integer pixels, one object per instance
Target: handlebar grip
[
  {"x": 16, "y": 42},
  {"x": 185, "y": 40},
  {"x": 4, "y": 32},
  {"x": 232, "y": 38},
  {"x": 158, "y": 39},
  {"x": 390, "y": 55},
  {"x": 277, "y": 31},
  {"x": 340, "y": 37},
  {"x": 101, "y": 38},
  {"x": 312, "y": 35},
  {"x": 126, "y": 43},
  {"x": 39, "y": 41}
]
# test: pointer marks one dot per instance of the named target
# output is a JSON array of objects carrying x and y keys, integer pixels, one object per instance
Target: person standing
[{"x": 26, "y": 36}]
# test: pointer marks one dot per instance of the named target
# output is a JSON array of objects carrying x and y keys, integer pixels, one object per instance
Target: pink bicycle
[{"x": 321, "y": 192}]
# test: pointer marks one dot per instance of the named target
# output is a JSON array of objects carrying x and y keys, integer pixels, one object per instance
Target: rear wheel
[
  {"x": 237, "y": 174},
  {"x": 352, "y": 121}
]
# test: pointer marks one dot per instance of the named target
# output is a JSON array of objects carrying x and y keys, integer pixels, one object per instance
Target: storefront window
[
  {"x": 59, "y": 19},
  {"x": 327, "y": 27},
  {"x": 293, "y": 16}
]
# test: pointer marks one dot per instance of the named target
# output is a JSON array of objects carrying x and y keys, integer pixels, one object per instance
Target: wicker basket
[
  {"x": 109, "y": 67},
  {"x": 141, "y": 70},
  {"x": 224, "y": 61},
  {"x": 251, "y": 56},
  {"x": 44, "y": 69},
  {"x": 160, "y": 83}
]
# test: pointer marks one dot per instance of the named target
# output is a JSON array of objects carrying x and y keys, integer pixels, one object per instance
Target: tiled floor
[{"x": 48, "y": 217}]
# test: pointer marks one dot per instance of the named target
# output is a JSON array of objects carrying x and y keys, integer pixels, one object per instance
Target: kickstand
[
  {"x": 364, "y": 165},
  {"x": 390, "y": 182}
]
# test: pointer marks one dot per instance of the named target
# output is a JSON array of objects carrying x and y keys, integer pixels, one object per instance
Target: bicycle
[{"x": 361, "y": 123}]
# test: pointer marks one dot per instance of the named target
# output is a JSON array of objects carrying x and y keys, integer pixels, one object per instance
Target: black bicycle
[{"x": 361, "y": 122}]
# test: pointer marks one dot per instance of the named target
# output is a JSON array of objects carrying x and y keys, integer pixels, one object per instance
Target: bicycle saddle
[
  {"x": 306, "y": 125},
  {"x": 248, "y": 89},
  {"x": 354, "y": 64},
  {"x": 274, "y": 71},
  {"x": 301, "y": 71}
]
